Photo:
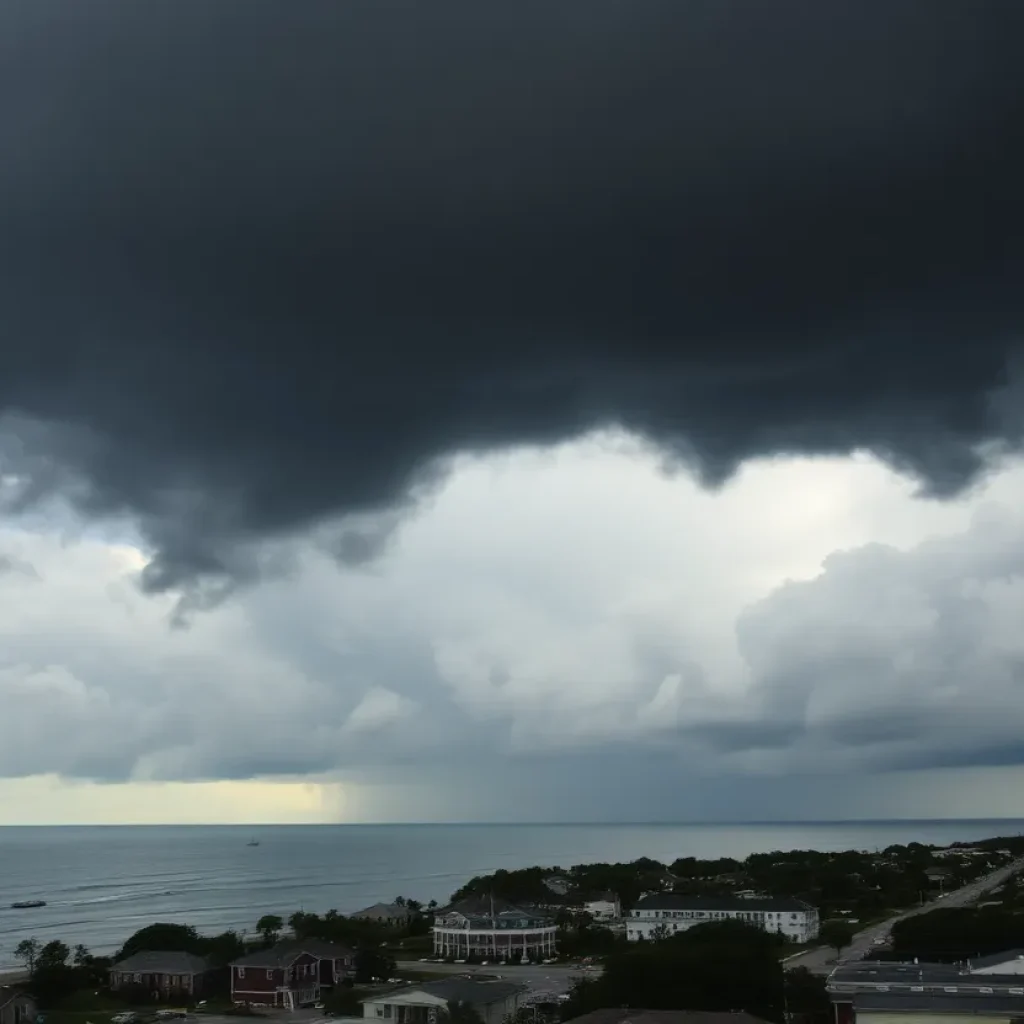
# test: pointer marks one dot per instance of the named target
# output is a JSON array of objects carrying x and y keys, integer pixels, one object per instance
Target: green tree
[
  {"x": 837, "y": 934},
  {"x": 81, "y": 957},
  {"x": 723, "y": 965},
  {"x": 53, "y": 954},
  {"x": 269, "y": 926},
  {"x": 28, "y": 952},
  {"x": 807, "y": 998},
  {"x": 163, "y": 936},
  {"x": 462, "y": 1013},
  {"x": 372, "y": 963}
]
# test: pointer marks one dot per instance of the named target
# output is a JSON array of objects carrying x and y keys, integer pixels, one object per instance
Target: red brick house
[
  {"x": 162, "y": 972},
  {"x": 289, "y": 974}
]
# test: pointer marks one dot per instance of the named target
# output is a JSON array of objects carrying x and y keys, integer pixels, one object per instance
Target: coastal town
[{"x": 819, "y": 937}]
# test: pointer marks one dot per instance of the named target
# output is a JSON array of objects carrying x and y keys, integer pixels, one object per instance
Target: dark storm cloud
[{"x": 261, "y": 264}]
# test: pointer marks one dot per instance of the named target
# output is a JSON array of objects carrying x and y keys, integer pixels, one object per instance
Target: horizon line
[{"x": 656, "y": 823}]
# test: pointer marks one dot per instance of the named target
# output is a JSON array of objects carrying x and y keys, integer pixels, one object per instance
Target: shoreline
[{"x": 220, "y": 887}]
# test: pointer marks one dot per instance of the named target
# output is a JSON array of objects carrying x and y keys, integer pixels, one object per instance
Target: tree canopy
[{"x": 722, "y": 965}]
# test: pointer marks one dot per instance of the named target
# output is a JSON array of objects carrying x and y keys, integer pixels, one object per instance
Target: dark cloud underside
[{"x": 268, "y": 261}]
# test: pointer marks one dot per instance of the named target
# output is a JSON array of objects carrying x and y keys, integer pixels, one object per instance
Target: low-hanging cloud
[
  {"x": 262, "y": 266},
  {"x": 651, "y": 648}
]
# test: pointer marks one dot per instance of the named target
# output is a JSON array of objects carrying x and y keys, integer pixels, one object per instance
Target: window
[{"x": 241, "y": 972}]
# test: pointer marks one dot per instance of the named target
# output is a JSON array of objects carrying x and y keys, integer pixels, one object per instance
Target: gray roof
[
  {"x": 996, "y": 959},
  {"x": 383, "y": 910},
  {"x": 623, "y": 1016},
  {"x": 935, "y": 978},
  {"x": 282, "y": 954},
  {"x": 484, "y": 908},
  {"x": 960, "y": 1004},
  {"x": 162, "y": 962},
  {"x": 460, "y": 990},
  {"x": 675, "y": 901}
]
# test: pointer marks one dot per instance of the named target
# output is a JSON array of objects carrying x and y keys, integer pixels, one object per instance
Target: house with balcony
[
  {"x": 494, "y": 1001},
  {"x": 661, "y": 915},
  {"x": 489, "y": 928},
  {"x": 163, "y": 973},
  {"x": 289, "y": 974}
]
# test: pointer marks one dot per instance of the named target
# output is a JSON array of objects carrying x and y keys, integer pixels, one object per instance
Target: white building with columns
[
  {"x": 492, "y": 929},
  {"x": 663, "y": 914}
]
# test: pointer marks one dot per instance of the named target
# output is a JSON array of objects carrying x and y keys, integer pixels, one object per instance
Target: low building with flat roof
[
  {"x": 664, "y": 914},
  {"x": 876, "y": 992}
]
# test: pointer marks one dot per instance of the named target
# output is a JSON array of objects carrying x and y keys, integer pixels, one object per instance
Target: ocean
[{"x": 103, "y": 883}]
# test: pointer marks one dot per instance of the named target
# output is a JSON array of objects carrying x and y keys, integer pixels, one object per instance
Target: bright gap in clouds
[{"x": 571, "y": 623}]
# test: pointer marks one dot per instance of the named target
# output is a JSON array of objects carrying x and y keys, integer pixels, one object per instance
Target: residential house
[
  {"x": 493, "y": 929},
  {"x": 877, "y": 992},
  {"x": 16, "y": 1006},
  {"x": 940, "y": 875},
  {"x": 663, "y": 914},
  {"x": 558, "y": 884},
  {"x": 162, "y": 972},
  {"x": 392, "y": 915},
  {"x": 603, "y": 906},
  {"x": 622, "y": 1015},
  {"x": 289, "y": 974},
  {"x": 494, "y": 1001}
]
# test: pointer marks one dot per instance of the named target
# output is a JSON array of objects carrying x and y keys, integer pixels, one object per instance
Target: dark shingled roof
[
  {"x": 674, "y": 901},
  {"x": 460, "y": 990},
  {"x": 162, "y": 962},
  {"x": 284, "y": 953},
  {"x": 623, "y": 1016}
]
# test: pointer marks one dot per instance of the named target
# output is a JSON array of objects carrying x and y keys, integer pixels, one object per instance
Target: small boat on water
[
  {"x": 27, "y": 904},
  {"x": 253, "y": 842}
]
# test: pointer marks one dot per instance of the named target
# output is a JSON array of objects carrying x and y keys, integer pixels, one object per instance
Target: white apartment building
[{"x": 663, "y": 914}]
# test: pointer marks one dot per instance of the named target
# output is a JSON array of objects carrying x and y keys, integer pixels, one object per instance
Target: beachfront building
[
  {"x": 492, "y": 929},
  {"x": 161, "y": 972},
  {"x": 289, "y": 974},
  {"x": 391, "y": 915},
  {"x": 660, "y": 915},
  {"x": 16, "y": 1006},
  {"x": 494, "y": 1001}
]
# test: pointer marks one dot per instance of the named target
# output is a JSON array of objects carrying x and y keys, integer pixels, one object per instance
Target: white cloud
[{"x": 564, "y": 604}]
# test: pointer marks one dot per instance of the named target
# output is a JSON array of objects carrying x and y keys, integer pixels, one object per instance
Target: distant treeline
[{"x": 851, "y": 882}]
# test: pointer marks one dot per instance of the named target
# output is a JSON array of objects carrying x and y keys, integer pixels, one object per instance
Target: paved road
[
  {"x": 545, "y": 980},
  {"x": 821, "y": 960}
]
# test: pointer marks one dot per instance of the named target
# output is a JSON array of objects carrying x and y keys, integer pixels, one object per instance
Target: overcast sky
[{"x": 604, "y": 410}]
